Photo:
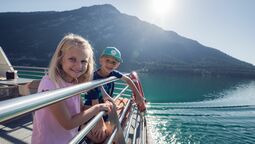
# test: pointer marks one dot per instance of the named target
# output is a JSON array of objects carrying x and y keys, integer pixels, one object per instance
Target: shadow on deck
[{"x": 17, "y": 130}]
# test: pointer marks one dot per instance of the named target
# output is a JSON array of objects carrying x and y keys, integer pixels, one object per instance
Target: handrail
[
  {"x": 87, "y": 128},
  {"x": 93, "y": 122},
  {"x": 29, "y": 75},
  {"x": 120, "y": 119},
  {"x": 135, "y": 131},
  {"x": 33, "y": 71},
  {"x": 29, "y": 67},
  {"x": 129, "y": 124},
  {"x": 124, "y": 89},
  {"x": 27, "y": 71},
  {"x": 18, "y": 106},
  {"x": 143, "y": 129}
]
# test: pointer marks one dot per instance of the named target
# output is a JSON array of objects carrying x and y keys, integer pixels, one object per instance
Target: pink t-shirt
[{"x": 46, "y": 129}]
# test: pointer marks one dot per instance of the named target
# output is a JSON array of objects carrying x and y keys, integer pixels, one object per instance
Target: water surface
[{"x": 194, "y": 109}]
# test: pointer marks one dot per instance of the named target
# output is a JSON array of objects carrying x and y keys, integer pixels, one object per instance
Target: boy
[{"x": 110, "y": 60}]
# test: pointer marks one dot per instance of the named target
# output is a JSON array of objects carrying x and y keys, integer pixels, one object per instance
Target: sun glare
[{"x": 162, "y": 8}]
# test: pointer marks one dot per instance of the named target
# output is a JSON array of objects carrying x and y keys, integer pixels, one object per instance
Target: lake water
[{"x": 194, "y": 109}]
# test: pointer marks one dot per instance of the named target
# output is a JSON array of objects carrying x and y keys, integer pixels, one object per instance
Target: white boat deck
[{"x": 17, "y": 131}]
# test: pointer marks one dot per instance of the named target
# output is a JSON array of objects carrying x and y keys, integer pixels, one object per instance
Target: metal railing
[
  {"x": 31, "y": 72},
  {"x": 15, "y": 107},
  {"x": 18, "y": 106}
]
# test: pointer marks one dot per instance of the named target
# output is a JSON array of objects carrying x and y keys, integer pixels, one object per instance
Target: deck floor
[{"x": 17, "y": 131}]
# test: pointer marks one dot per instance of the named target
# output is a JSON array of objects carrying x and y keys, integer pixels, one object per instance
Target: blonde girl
[{"x": 72, "y": 63}]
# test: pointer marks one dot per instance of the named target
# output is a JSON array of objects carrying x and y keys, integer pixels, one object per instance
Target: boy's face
[{"x": 108, "y": 64}]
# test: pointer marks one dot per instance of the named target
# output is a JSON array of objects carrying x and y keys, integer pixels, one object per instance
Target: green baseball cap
[{"x": 112, "y": 52}]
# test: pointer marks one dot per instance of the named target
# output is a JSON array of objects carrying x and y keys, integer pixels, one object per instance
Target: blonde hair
[{"x": 56, "y": 72}]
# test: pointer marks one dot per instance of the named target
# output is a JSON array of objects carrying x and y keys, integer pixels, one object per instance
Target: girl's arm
[{"x": 61, "y": 113}]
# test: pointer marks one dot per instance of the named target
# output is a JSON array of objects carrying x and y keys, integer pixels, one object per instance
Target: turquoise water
[{"x": 193, "y": 109}]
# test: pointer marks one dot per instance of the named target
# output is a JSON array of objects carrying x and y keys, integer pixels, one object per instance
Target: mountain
[{"x": 30, "y": 38}]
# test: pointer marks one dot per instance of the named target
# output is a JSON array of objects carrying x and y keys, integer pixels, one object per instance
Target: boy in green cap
[{"x": 110, "y": 60}]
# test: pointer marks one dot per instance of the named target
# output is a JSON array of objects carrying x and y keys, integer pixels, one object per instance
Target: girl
[{"x": 72, "y": 63}]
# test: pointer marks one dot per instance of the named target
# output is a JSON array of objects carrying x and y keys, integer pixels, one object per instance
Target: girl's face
[
  {"x": 75, "y": 63},
  {"x": 108, "y": 64}
]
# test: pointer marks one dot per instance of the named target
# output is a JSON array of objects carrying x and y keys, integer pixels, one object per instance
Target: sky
[{"x": 226, "y": 25}]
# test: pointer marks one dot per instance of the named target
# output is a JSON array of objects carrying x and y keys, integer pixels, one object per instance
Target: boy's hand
[
  {"x": 140, "y": 101},
  {"x": 139, "y": 98}
]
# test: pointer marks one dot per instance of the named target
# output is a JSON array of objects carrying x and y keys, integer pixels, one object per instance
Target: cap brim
[{"x": 118, "y": 59}]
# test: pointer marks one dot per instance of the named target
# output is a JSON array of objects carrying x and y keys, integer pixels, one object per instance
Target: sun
[{"x": 162, "y": 8}]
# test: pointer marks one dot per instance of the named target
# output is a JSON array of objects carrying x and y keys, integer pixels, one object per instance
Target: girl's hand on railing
[
  {"x": 104, "y": 107},
  {"x": 110, "y": 103}
]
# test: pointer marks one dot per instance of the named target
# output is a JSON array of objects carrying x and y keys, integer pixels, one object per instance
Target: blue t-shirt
[{"x": 96, "y": 93}]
